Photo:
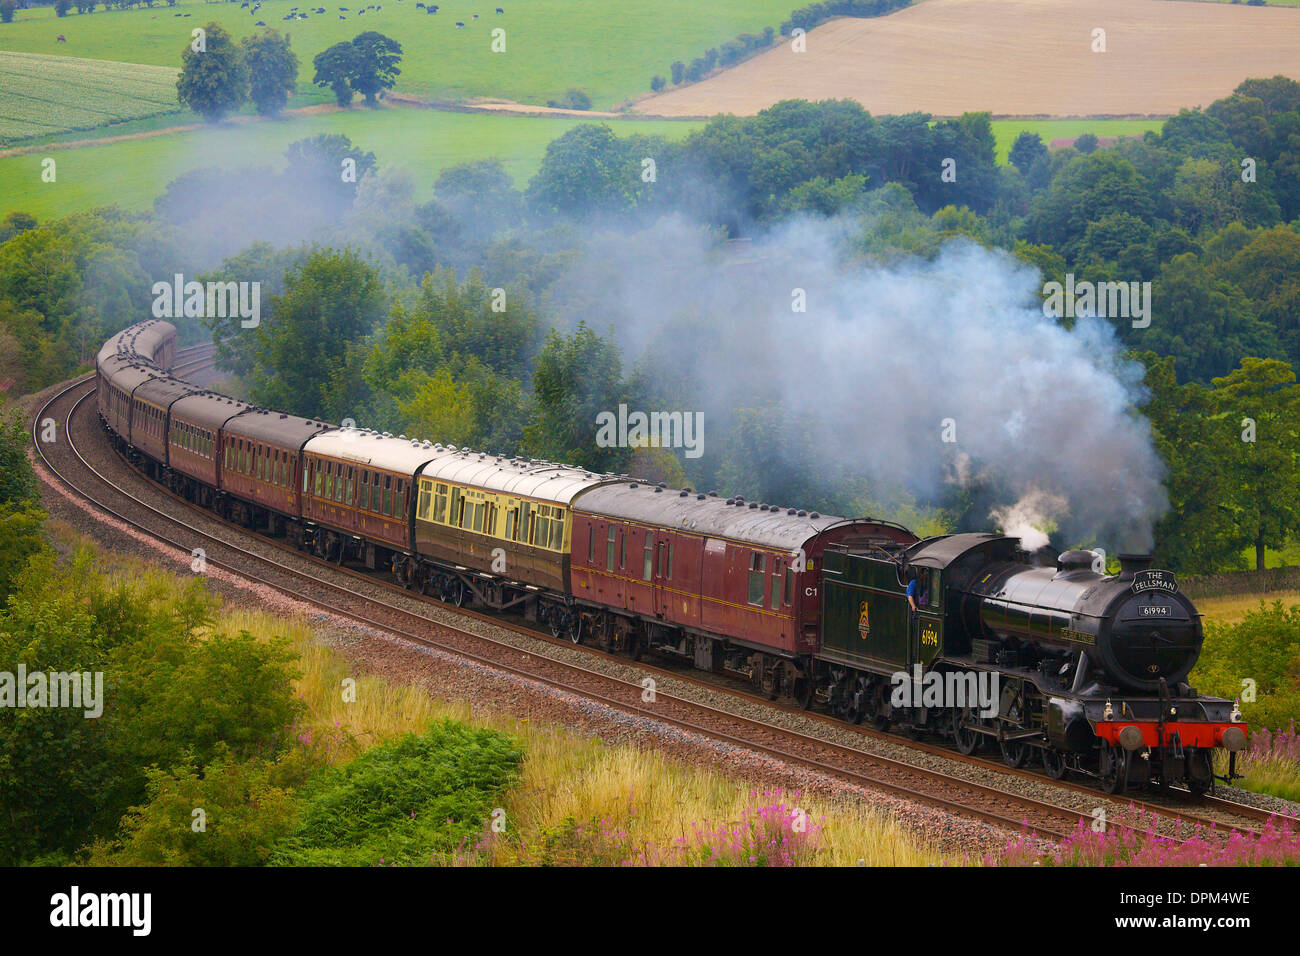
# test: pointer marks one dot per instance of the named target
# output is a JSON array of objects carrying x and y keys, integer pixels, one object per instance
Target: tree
[
  {"x": 657, "y": 83},
  {"x": 374, "y": 66},
  {"x": 309, "y": 359},
  {"x": 61, "y": 7},
  {"x": 335, "y": 67},
  {"x": 7, "y": 8},
  {"x": 213, "y": 81},
  {"x": 678, "y": 71},
  {"x": 1258, "y": 406},
  {"x": 1026, "y": 150},
  {"x": 578, "y": 376},
  {"x": 1087, "y": 143},
  {"x": 272, "y": 70}
]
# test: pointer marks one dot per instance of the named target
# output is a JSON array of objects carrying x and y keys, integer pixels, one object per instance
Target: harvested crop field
[
  {"x": 51, "y": 94},
  {"x": 1015, "y": 58}
]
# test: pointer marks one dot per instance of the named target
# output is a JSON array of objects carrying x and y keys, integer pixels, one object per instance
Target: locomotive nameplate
[
  {"x": 1153, "y": 580},
  {"x": 1079, "y": 637}
]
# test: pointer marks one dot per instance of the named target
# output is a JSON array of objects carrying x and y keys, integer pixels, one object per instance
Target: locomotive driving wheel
[
  {"x": 1015, "y": 753},
  {"x": 966, "y": 739},
  {"x": 1054, "y": 763}
]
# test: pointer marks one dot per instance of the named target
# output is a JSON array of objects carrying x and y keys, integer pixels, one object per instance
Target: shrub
[{"x": 406, "y": 802}]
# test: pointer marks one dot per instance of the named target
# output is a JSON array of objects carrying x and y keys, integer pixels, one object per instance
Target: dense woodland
[{"x": 379, "y": 307}]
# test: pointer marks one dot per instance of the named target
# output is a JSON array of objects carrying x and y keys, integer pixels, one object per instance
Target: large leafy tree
[
  {"x": 1262, "y": 490},
  {"x": 214, "y": 80},
  {"x": 374, "y": 66},
  {"x": 578, "y": 376},
  {"x": 309, "y": 356},
  {"x": 334, "y": 69},
  {"x": 272, "y": 70}
]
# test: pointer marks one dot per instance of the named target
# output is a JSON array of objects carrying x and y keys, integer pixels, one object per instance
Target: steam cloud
[{"x": 1044, "y": 421}]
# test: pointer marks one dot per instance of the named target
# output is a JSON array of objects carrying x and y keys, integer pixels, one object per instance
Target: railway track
[{"x": 992, "y": 805}]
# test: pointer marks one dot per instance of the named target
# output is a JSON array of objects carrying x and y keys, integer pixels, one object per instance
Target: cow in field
[
  {"x": 62, "y": 39},
  {"x": 459, "y": 25}
]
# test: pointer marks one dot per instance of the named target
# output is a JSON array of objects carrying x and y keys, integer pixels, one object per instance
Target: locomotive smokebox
[{"x": 1131, "y": 564}]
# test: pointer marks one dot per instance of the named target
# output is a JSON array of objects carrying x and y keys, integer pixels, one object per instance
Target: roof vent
[
  {"x": 790, "y": 511},
  {"x": 632, "y": 484},
  {"x": 701, "y": 496},
  {"x": 451, "y": 448},
  {"x": 658, "y": 489},
  {"x": 713, "y": 494},
  {"x": 683, "y": 493},
  {"x": 802, "y": 512},
  {"x": 814, "y": 515},
  {"x": 753, "y": 504},
  {"x": 731, "y": 501}
]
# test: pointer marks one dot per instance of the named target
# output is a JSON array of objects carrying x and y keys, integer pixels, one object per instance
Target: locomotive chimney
[{"x": 1131, "y": 564}]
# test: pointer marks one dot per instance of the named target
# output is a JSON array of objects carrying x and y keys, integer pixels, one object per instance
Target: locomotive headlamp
[
  {"x": 1234, "y": 739},
  {"x": 1235, "y": 716},
  {"x": 1130, "y": 738},
  {"x": 1109, "y": 712}
]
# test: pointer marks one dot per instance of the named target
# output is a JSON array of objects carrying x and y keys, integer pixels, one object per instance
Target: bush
[
  {"x": 241, "y": 816},
  {"x": 1263, "y": 648},
  {"x": 7, "y": 8},
  {"x": 575, "y": 99},
  {"x": 404, "y": 802}
]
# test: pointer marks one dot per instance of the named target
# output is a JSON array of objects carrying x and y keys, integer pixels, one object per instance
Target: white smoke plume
[{"x": 889, "y": 363}]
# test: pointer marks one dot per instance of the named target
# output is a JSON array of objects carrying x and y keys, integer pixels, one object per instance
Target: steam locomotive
[{"x": 1084, "y": 671}]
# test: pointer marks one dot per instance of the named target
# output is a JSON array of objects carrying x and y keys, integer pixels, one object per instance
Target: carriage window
[
  {"x": 591, "y": 543},
  {"x": 453, "y": 516},
  {"x": 609, "y": 550},
  {"x": 670, "y": 560},
  {"x": 557, "y": 530},
  {"x": 789, "y": 586},
  {"x": 422, "y": 509},
  {"x": 510, "y": 523},
  {"x": 622, "y": 549},
  {"x": 476, "y": 516},
  {"x": 649, "y": 556},
  {"x": 440, "y": 504},
  {"x": 388, "y": 495},
  {"x": 525, "y": 520},
  {"x": 316, "y": 478},
  {"x": 778, "y": 586},
  {"x": 352, "y": 481},
  {"x": 757, "y": 579}
]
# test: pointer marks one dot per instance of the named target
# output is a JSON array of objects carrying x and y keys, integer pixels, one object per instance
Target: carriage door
[{"x": 662, "y": 570}]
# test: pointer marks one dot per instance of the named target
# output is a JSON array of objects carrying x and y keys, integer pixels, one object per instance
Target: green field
[
  {"x": 41, "y": 94},
  {"x": 132, "y": 173},
  {"x": 1006, "y": 131},
  {"x": 611, "y": 48}
]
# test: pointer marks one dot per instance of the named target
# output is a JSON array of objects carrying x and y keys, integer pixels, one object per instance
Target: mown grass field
[
  {"x": 40, "y": 94},
  {"x": 611, "y": 48},
  {"x": 132, "y": 173},
  {"x": 1006, "y": 131}
]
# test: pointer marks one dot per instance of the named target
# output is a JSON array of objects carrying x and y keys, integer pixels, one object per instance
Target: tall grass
[{"x": 570, "y": 782}]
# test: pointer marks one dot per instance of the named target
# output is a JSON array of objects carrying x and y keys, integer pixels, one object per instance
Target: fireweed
[
  {"x": 770, "y": 832},
  {"x": 1276, "y": 844}
]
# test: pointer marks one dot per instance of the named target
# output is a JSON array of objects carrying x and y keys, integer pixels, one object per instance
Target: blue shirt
[{"x": 912, "y": 587}]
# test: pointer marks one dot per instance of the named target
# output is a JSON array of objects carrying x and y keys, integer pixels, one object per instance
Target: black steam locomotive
[{"x": 1086, "y": 672}]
